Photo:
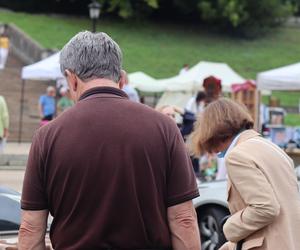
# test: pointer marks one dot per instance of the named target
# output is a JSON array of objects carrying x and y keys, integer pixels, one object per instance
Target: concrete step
[
  {"x": 15, "y": 160},
  {"x": 11, "y": 168}
]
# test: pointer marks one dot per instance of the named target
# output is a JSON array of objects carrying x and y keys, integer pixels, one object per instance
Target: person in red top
[{"x": 114, "y": 174}]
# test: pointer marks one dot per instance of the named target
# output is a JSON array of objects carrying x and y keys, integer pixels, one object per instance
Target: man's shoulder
[
  {"x": 146, "y": 114},
  {"x": 144, "y": 109}
]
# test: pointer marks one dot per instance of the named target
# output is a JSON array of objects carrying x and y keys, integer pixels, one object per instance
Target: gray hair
[
  {"x": 50, "y": 89},
  {"x": 92, "y": 56}
]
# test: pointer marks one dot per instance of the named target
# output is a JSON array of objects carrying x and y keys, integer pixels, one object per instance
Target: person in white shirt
[
  {"x": 184, "y": 70},
  {"x": 131, "y": 92},
  {"x": 196, "y": 103}
]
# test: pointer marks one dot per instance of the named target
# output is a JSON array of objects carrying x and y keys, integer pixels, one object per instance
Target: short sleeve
[
  {"x": 33, "y": 193},
  {"x": 41, "y": 100},
  {"x": 181, "y": 180}
]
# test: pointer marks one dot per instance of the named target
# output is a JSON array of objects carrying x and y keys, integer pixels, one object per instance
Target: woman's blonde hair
[{"x": 219, "y": 121}]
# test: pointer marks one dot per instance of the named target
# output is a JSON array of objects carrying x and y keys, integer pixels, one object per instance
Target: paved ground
[
  {"x": 13, "y": 176},
  {"x": 12, "y": 179},
  {"x": 13, "y": 148}
]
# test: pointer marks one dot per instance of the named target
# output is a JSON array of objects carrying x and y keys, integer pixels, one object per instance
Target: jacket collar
[
  {"x": 103, "y": 90},
  {"x": 246, "y": 135}
]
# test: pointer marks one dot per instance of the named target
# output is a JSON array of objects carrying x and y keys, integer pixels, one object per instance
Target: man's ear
[
  {"x": 72, "y": 80},
  {"x": 123, "y": 79}
]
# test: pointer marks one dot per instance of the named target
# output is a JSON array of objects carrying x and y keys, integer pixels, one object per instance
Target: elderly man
[
  {"x": 46, "y": 105},
  {"x": 114, "y": 174}
]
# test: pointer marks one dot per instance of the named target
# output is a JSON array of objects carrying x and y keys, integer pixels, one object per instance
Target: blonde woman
[{"x": 263, "y": 195}]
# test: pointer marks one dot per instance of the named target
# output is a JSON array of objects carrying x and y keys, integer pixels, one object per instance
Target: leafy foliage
[
  {"x": 249, "y": 18},
  {"x": 246, "y": 17},
  {"x": 129, "y": 8}
]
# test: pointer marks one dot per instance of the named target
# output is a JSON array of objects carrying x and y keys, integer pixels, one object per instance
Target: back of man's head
[{"x": 91, "y": 56}]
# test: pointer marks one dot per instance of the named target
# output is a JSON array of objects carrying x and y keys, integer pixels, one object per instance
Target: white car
[{"x": 211, "y": 209}]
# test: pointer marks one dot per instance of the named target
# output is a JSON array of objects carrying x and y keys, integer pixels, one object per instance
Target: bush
[
  {"x": 129, "y": 8},
  {"x": 75, "y": 7},
  {"x": 245, "y": 17},
  {"x": 248, "y": 18}
]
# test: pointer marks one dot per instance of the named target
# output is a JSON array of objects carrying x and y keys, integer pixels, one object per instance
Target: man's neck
[{"x": 85, "y": 86}]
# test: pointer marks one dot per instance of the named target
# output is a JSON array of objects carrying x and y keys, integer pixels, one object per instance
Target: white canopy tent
[
  {"x": 144, "y": 82},
  {"x": 283, "y": 78},
  {"x": 45, "y": 70},
  {"x": 286, "y": 78},
  {"x": 192, "y": 81}
]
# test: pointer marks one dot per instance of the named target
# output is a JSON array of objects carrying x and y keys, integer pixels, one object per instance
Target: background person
[
  {"x": 46, "y": 105},
  {"x": 65, "y": 102},
  {"x": 4, "y": 123},
  {"x": 263, "y": 195},
  {"x": 113, "y": 173},
  {"x": 4, "y": 48},
  {"x": 130, "y": 91},
  {"x": 184, "y": 69},
  {"x": 196, "y": 104},
  {"x": 170, "y": 111}
]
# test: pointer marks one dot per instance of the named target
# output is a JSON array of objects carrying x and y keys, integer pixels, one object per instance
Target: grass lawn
[
  {"x": 287, "y": 98},
  {"x": 292, "y": 120},
  {"x": 160, "y": 49}
]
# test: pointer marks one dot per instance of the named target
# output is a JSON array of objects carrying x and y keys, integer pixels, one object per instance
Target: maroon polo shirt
[{"x": 107, "y": 170}]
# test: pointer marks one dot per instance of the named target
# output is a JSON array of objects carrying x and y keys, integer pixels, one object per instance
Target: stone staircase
[
  {"x": 10, "y": 88},
  {"x": 15, "y": 156},
  {"x": 13, "y": 161}
]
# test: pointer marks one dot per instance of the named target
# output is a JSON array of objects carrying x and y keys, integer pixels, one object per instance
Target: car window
[{"x": 8, "y": 226}]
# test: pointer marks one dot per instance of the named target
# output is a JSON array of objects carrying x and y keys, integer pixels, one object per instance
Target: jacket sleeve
[
  {"x": 255, "y": 190},
  {"x": 4, "y": 113}
]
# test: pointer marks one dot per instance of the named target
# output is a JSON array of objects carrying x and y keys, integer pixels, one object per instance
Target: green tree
[
  {"x": 245, "y": 17},
  {"x": 130, "y": 8}
]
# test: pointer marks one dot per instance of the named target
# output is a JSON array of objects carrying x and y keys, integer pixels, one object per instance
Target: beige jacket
[{"x": 263, "y": 196}]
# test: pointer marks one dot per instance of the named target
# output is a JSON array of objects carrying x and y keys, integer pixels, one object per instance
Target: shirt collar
[
  {"x": 103, "y": 90},
  {"x": 232, "y": 144}
]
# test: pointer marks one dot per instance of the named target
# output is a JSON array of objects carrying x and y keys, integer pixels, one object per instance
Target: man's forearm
[
  {"x": 33, "y": 230},
  {"x": 184, "y": 227},
  {"x": 31, "y": 238}
]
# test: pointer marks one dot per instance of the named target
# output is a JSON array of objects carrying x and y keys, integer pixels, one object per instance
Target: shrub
[{"x": 245, "y": 17}]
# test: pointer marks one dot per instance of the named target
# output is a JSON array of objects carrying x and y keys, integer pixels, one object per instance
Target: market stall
[{"x": 285, "y": 78}]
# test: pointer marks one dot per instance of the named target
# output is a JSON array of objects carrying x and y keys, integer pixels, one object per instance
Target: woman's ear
[{"x": 123, "y": 79}]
